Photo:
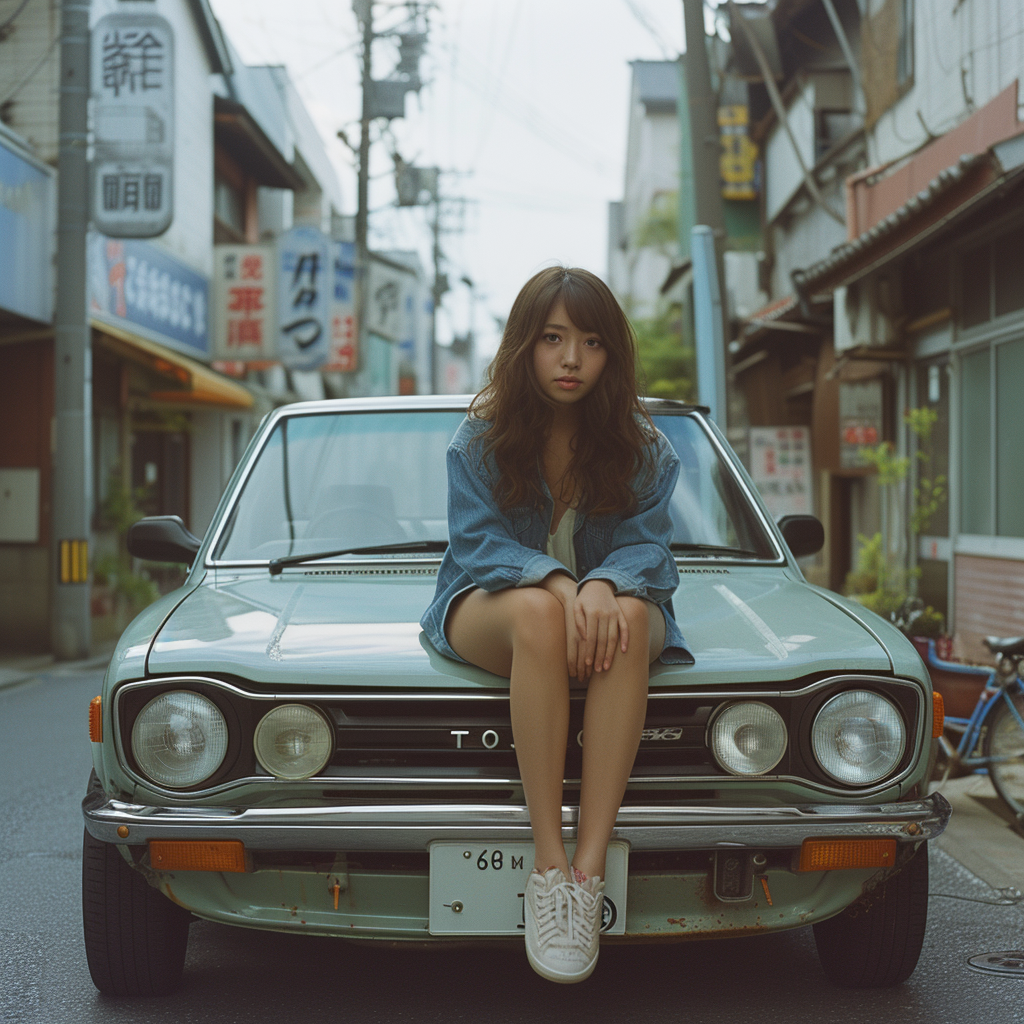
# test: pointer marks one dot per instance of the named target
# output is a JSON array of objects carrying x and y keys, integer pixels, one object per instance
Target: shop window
[
  {"x": 1009, "y": 478},
  {"x": 975, "y": 444},
  {"x": 991, "y": 488},
  {"x": 1008, "y": 266},
  {"x": 992, "y": 279}
]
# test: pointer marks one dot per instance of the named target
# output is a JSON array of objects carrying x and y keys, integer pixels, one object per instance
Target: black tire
[
  {"x": 877, "y": 940},
  {"x": 135, "y": 937},
  {"x": 1004, "y": 740}
]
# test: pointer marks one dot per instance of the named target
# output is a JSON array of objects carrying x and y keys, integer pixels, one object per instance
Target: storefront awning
[{"x": 199, "y": 385}]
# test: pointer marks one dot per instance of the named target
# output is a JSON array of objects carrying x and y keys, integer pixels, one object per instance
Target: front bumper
[{"x": 412, "y": 827}]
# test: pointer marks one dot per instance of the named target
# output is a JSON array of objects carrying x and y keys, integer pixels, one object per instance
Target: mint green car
[{"x": 277, "y": 746}]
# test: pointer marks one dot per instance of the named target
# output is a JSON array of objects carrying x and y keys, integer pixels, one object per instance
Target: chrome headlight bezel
[
  {"x": 717, "y": 736},
  {"x": 884, "y": 706},
  {"x": 202, "y": 716},
  {"x": 318, "y": 720}
]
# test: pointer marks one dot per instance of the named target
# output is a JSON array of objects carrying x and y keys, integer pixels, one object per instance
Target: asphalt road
[{"x": 237, "y": 975}]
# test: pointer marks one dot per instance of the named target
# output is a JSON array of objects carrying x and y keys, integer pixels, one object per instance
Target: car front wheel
[
  {"x": 135, "y": 937},
  {"x": 877, "y": 940}
]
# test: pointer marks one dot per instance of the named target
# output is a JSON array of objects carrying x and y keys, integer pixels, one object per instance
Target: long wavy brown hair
[{"x": 614, "y": 440}]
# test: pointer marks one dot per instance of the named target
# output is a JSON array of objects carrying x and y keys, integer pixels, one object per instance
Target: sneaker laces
[{"x": 569, "y": 903}]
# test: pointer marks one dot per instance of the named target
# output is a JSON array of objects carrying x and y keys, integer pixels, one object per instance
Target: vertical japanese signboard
[
  {"x": 738, "y": 162},
  {"x": 133, "y": 128},
  {"x": 385, "y": 312},
  {"x": 780, "y": 466},
  {"x": 244, "y": 314},
  {"x": 304, "y": 294},
  {"x": 344, "y": 354}
]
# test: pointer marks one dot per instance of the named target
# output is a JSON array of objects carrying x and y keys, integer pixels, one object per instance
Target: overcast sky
[{"x": 524, "y": 110}]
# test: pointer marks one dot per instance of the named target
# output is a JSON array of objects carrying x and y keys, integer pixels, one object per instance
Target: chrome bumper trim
[{"x": 410, "y": 827}]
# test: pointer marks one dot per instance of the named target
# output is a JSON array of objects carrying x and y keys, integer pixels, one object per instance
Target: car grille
[{"x": 476, "y": 734}]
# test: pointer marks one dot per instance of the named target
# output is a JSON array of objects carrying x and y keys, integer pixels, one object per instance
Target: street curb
[{"x": 45, "y": 664}]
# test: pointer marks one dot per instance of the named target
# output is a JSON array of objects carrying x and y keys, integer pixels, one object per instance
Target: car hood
[{"x": 296, "y": 630}]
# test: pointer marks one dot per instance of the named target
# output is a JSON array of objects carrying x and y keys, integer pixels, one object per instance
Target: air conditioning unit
[{"x": 865, "y": 314}]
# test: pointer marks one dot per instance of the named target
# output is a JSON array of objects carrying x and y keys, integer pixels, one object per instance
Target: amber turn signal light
[
  {"x": 838, "y": 854},
  {"x": 938, "y": 714},
  {"x": 197, "y": 855},
  {"x": 95, "y": 720}
]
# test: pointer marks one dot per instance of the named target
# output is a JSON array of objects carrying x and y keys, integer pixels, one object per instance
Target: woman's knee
[
  {"x": 537, "y": 617},
  {"x": 637, "y": 616}
]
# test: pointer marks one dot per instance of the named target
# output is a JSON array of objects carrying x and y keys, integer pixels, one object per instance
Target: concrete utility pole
[
  {"x": 364, "y": 12},
  {"x": 704, "y": 134},
  {"x": 707, "y": 196},
  {"x": 72, "y": 490},
  {"x": 438, "y": 289}
]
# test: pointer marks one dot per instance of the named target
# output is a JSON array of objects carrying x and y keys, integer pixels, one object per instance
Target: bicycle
[{"x": 992, "y": 738}]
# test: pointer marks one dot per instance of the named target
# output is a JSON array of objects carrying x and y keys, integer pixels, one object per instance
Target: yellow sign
[
  {"x": 738, "y": 162},
  {"x": 74, "y": 561}
]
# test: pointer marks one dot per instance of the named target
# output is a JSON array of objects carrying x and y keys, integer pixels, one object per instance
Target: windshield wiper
[
  {"x": 275, "y": 565},
  {"x": 715, "y": 549}
]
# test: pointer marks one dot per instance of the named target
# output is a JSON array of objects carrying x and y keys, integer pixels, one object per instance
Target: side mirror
[
  {"x": 804, "y": 535},
  {"x": 162, "y": 539}
]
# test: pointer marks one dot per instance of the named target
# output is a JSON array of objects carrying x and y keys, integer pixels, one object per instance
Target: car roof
[{"x": 443, "y": 403}]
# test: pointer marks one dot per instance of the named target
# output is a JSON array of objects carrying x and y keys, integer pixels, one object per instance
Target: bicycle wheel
[{"x": 1004, "y": 742}]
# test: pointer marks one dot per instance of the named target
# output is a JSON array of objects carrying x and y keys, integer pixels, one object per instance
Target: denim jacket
[{"x": 494, "y": 549}]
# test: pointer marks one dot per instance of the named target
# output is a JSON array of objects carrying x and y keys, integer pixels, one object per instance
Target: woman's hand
[
  {"x": 563, "y": 587},
  {"x": 601, "y": 626}
]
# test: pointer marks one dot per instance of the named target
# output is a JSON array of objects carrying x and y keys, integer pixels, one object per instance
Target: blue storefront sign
[
  {"x": 27, "y": 202},
  {"x": 136, "y": 285},
  {"x": 305, "y": 291}
]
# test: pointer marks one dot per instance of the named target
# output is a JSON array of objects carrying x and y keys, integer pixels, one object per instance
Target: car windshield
[{"x": 328, "y": 482}]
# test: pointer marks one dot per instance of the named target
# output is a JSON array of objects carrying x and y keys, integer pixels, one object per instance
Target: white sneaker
[{"x": 563, "y": 925}]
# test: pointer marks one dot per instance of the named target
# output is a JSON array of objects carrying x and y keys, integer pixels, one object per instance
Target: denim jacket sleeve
[
  {"x": 482, "y": 540},
  {"x": 640, "y": 562}
]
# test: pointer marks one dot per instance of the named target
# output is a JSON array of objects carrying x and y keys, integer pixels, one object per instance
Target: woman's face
[{"x": 568, "y": 362}]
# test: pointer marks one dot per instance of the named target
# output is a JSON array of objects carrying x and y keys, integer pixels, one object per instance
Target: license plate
[{"x": 478, "y": 890}]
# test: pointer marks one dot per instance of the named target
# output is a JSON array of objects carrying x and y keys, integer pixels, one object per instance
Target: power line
[
  {"x": 641, "y": 15},
  {"x": 10, "y": 21}
]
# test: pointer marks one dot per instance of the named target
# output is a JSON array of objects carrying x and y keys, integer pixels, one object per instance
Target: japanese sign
[
  {"x": 133, "y": 88},
  {"x": 344, "y": 352},
  {"x": 738, "y": 163},
  {"x": 780, "y": 466},
  {"x": 138, "y": 285},
  {"x": 385, "y": 309},
  {"x": 243, "y": 314},
  {"x": 860, "y": 420},
  {"x": 27, "y": 207},
  {"x": 304, "y": 291}
]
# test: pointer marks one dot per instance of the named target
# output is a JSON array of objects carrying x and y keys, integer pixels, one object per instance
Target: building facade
[
  {"x": 893, "y": 219},
  {"x": 168, "y": 426}
]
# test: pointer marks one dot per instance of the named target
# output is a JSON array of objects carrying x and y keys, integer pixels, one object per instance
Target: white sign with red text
[{"x": 243, "y": 306}]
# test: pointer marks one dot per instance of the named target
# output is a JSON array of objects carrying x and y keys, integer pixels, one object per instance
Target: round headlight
[
  {"x": 748, "y": 738},
  {"x": 179, "y": 739},
  {"x": 858, "y": 737},
  {"x": 293, "y": 741}
]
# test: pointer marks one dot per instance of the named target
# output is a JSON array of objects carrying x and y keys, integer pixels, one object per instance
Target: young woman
[{"x": 559, "y": 574}]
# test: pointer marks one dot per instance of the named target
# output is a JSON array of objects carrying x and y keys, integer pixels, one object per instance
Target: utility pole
[
  {"x": 364, "y": 12},
  {"x": 72, "y": 488},
  {"x": 440, "y": 287},
  {"x": 704, "y": 138}
]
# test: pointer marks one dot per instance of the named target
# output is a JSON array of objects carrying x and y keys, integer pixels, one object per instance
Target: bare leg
[
  {"x": 520, "y": 633},
  {"x": 612, "y": 722}
]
